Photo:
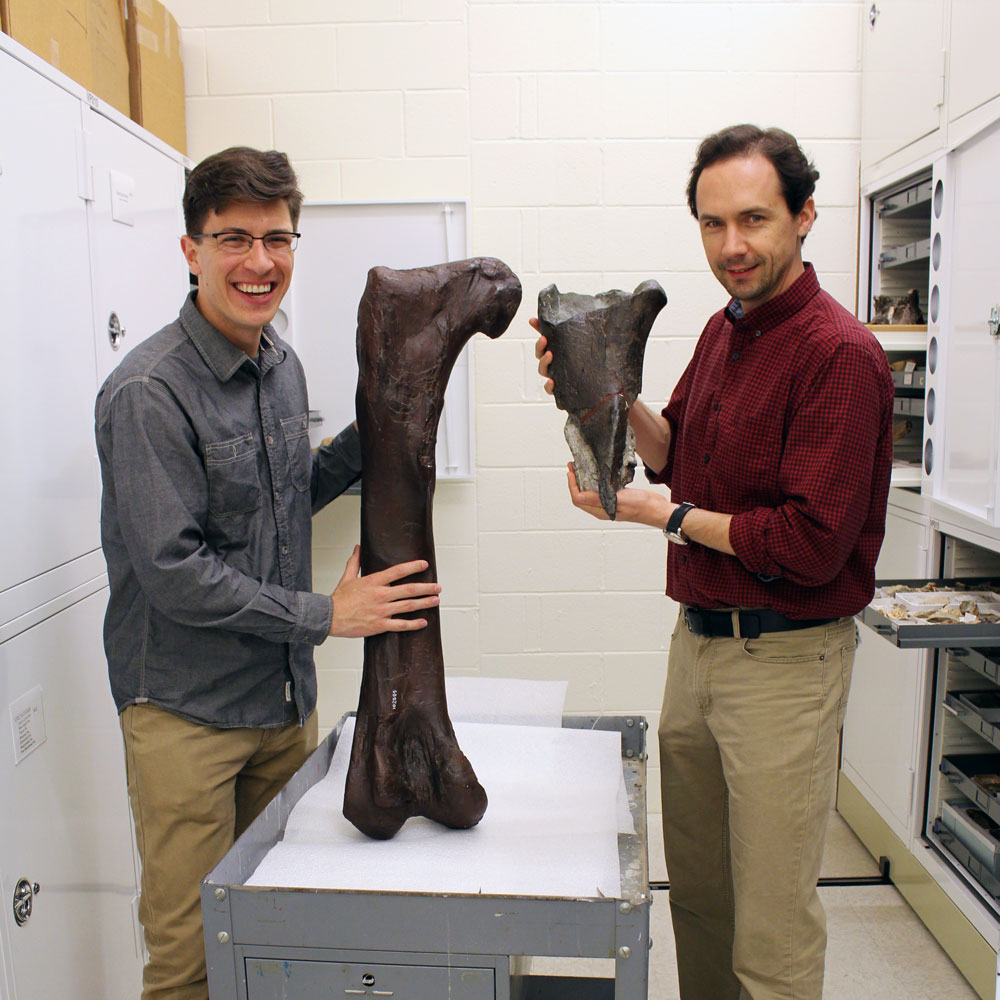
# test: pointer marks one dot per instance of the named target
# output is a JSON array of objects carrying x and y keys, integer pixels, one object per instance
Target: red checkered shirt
[{"x": 783, "y": 419}]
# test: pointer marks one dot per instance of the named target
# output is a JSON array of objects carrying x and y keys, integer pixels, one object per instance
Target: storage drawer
[
  {"x": 979, "y": 711},
  {"x": 908, "y": 632},
  {"x": 274, "y": 979},
  {"x": 983, "y": 661},
  {"x": 966, "y": 822},
  {"x": 963, "y": 770},
  {"x": 980, "y": 872}
]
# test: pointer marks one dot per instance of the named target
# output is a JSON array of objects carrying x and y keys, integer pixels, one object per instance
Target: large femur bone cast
[
  {"x": 405, "y": 760},
  {"x": 597, "y": 344}
]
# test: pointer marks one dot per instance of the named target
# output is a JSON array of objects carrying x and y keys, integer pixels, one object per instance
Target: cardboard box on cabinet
[
  {"x": 85, "y": 39},
  {"x": 156, "y": 82}
]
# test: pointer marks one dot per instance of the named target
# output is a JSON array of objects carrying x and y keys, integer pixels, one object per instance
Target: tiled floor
[{"x": 877, "y": 947}]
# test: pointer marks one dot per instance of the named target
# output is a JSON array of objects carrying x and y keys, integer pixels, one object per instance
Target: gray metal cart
[{"x": 265, "y": 943}]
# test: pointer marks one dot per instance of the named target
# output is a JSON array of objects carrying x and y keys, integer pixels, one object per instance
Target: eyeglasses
[{"x": 243, "y": 242}]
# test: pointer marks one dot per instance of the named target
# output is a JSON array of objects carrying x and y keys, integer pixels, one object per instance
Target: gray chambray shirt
[{"x": 209, "y": 490}]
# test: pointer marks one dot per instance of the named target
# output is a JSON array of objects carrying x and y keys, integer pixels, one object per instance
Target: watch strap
[{"x": 673, "y": 526}]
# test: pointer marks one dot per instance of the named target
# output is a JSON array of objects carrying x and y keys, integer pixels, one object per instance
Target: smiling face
[
  {"x": 239, "y": 293},
  {"x": 752, "y": 241}
]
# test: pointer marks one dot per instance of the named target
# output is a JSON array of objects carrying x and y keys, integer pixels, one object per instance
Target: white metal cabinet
[
  {"x": 65, "y": 821},
  {"x": 135, "y": 220},
  {"x": 973, "y": 78},
  {"x": 902, "y": 87},
  {"x": 51, "y": 491},
  {"x": 964, "y": 469},
  {"x": 882, "y": 737}
]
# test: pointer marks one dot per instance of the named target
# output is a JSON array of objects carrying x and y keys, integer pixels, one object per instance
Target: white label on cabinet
[
  {"x": 122, "y": 189},
  {"x": 27, "y": 720}
]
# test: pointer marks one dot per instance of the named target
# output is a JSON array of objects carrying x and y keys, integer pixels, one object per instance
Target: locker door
[
  {"x": 970, "y": 468},
  {"x": 48, "y": 460},
  {"x": 881, "y": 742},
  {"x": 140, "y": 277},
  {"x": 64, "y": 822}
]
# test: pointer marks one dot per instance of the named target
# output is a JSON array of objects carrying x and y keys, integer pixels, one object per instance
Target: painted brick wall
[{"x": 570, "y": 127}]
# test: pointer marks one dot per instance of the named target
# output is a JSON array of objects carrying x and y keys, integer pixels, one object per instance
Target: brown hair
[
  {"x": 239, "y": 174},
  {"x": 797, "y": 174}
]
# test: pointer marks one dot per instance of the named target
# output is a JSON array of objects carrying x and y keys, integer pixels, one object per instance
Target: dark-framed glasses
[{"x": 243, "y": 242}]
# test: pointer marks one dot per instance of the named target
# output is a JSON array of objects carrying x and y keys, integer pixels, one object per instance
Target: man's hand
[
  {"x": 544, "y": 358},
  {"x": 639, "y": 506},
  {"x": 365, "y": 605}
]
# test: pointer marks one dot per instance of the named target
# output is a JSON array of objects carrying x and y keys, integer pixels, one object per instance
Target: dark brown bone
[
  {"x": 405, "y": 760},
  {"x": 597, "y": 344}
]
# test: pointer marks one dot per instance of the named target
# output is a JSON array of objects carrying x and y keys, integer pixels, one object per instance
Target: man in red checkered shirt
[{"x": 777, "y": 448}]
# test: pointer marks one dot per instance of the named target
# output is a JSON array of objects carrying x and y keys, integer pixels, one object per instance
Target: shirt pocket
[
  {"x": 295, "y": 431},
  {"x": 233, "y": 481}
]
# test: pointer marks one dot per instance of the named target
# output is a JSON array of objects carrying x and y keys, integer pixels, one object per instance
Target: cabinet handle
[
  {"x": 873, "y": 14},
  {"x": 994, "y": 322},
  {"x": 116, "y": 331}
]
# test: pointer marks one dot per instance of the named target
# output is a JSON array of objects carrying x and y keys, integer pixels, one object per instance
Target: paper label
[{"x": 27, "y": 720}]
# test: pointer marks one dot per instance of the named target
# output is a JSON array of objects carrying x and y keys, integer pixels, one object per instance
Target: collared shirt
[
  {"x": 209, "y": 490},
  {"x": 783, "y": 419}
]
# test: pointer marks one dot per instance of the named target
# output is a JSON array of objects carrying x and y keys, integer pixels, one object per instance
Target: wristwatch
[{"x": 672, "y": 529}]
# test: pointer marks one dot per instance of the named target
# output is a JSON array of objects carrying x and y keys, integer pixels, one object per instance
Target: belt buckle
[
  {"x": 749, "y": 625},
  {"x": 691, "y": 619}
]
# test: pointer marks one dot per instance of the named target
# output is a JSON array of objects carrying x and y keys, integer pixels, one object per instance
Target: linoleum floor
[{"x": 877, "y": 946}]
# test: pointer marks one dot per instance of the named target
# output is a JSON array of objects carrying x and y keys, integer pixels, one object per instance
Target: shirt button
[
  {"x": 684, "y": 559},
  {"x": 708, "y": 458},
  {"x": 715, "y": 406},
  {"x": 284, "y": 550},
  {"x": 756, "y": 333},
  {"x": 736, "y": 355},
  {"x": 270, "y": 439},
  {"x": 276, "y": 494}
]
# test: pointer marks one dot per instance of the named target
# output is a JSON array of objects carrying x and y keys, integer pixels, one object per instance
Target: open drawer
[{"x": 919, "y": 614}]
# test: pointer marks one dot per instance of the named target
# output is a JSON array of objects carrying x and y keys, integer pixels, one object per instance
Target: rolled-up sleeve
[{"x": 825, "y": 473}]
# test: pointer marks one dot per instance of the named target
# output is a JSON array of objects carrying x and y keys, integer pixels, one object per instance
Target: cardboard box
[
  {"x": 156, "y": 73},
  {"x": 85, "y": 39}
]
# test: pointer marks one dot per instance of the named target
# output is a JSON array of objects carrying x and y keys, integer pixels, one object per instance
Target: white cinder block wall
[{"x": 570, "y": 128}]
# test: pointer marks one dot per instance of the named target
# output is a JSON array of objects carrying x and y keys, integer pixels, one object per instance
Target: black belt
[{"x": 752, "y": 623}]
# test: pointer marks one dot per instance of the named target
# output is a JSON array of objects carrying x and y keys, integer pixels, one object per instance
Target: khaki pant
[
  {"x": 748, "y": 756},
  {"x": 194, "y": 789}
]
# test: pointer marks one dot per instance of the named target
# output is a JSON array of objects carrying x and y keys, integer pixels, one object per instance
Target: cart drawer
[{"x": 273, "y": 979}]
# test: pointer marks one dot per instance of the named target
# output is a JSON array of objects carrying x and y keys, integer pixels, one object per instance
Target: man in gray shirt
[{"x": 209, "y": 489}]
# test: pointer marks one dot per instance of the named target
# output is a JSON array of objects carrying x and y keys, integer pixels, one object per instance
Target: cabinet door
[
  {"x": 64, "y": 822},
  {"x": 972, "y": 70},
  {"x": 971, "y": 355},
  {"x": 902, "y": 79},
  {"x": 48, "y": 463},
  {"x": 136, "y": 221},
  {"x": 881, "y": 729}
]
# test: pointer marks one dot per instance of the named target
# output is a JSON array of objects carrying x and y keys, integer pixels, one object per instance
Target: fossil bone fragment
[
  {"x": 405, "y": 760},
  {"x": 597, "y": 344}
]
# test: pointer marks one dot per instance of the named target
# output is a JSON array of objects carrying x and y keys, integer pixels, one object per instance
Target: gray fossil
[{"x": 598, "y": 343}]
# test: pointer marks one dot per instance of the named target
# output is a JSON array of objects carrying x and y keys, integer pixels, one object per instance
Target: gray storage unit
[{"x": 263, "y": 943}]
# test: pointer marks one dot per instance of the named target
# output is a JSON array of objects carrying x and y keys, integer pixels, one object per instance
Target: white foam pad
[{"x": 551, "y": 828}]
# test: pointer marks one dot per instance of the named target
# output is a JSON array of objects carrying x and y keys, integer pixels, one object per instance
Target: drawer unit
[{"x": 306, "y": 979}]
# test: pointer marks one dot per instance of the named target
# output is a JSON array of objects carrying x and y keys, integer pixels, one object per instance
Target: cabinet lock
[
  {"x": 24, "y": 897},
  {"x": 116, "y": 332}
]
